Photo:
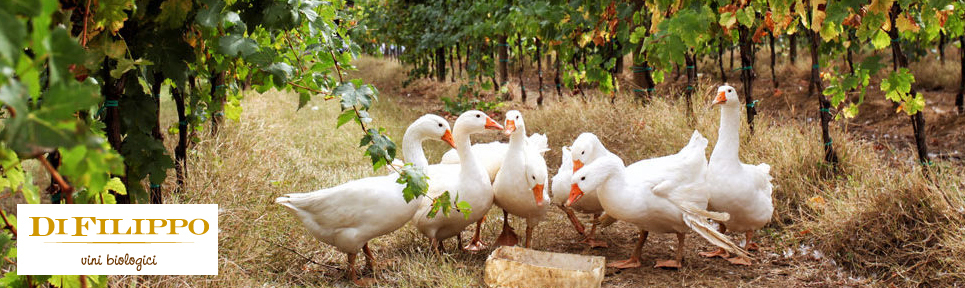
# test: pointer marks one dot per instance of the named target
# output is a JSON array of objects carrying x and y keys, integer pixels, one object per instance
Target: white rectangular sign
[{"x": 134, "y": 239}]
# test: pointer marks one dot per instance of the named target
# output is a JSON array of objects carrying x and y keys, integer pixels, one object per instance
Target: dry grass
[{"x": 879, "y": 218}]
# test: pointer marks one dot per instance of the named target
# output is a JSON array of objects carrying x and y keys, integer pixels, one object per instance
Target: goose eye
[
  {"x": 517, "y": 117},
  {"x": 583, "y": 153},
  {"x": 477, "y": 115},
  {"x": 583, "y": 178},
  {"x": 534, "y": 177},
  {"x": 440, "y": 124}
]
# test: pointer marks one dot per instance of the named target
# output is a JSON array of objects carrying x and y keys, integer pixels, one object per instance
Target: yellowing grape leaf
[
  {"x": 727, "y": 20},
  {"x": 880, "y": 6},
  {"x": 818, "y": 14},
  {"x": 905, "y": 24},
  {"x": 110, "y": 15}
]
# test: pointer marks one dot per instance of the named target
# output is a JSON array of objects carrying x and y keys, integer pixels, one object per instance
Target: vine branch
[
  {"x": 7, "y": 224},
  {"x": 64, "y": 188}
]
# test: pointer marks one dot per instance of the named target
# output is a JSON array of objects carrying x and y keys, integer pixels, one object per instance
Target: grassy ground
[{"x": 875, "y": 222}]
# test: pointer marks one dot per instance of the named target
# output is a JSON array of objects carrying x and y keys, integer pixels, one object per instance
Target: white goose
[
  {"x": 347, "y": 216},
  {"x": 659, "y": 202},
  {"x": 586, "y": 148},
  {"x": 466, "y": 180},
  {"x": 520, "y": 185},
  {"x": 741, "y": 190}
]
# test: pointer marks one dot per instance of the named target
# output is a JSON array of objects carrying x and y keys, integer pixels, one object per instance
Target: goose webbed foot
[
  {"x": 593, "y": 243},
  {"x": 720, "y": 252},
  {"x": 743, "y": 261},
  {"x": 633, "y": 262},
  {"x": 670, "y": 264},
  {"x": 507, "y": 238}
]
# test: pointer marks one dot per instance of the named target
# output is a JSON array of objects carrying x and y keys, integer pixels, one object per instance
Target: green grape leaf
[
  {"x": 12, "y": 38},
  {"x": 174, "y": 12},
  {"x": 233, "y": 109},
  {"x": 237, "y": 46},
  {"x": 234, "y": 24},
  {"x": 281, "y": 72},
  {"x": 210, "y": 16},
  {"x": 11, "y": 279},
  {"x": 881, "y": 40},
  {"x": 347, "y": 115},
  {"x": 442, "y": 203},
  {"x": 64, "y": 51},
  {"x": 116, "y": 185},
  {"x": 415, "y": 180},
  {"x": 381, "y": 149},
  {"x": 65, "y": 281},
  {"x": 124, "y": 65},
  {"x": 746, "y": 16},
  {"x": 351, "y": 96},
  {"x": 465, "y": 208},
  {"x": 31, "y": 193},
  {"x": 21, "y": 7},
  {"x": 897, "y": 85}
]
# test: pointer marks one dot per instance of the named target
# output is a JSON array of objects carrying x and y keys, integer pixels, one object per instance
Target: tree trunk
[
  {"x": 452, "y": 64},
  {"x": 732, "y": 58},
  {"x": 773, "y": 60},
  {"x": 559, "y": 88},
  {"x": 219, "y": 95},
  {"x": 180, "y": 152},
  {"x": 824, "y": 105},
  {"x": 441, "y": 64},
  {"x": 792, "y": 43},
  {"x": 461, "y": 60},
  {"x": 539, "y": 72},
  {"x": 155, "y": 188},
  {"x": 941, "y": 47},
  {"x": 960, "y": 98},
  {"x": 520, "y": 56},
  {"x": 503, "y": 48},
  {"x": 747, "y": 73},
  {"x": 720, "y": 59},
  {"x": 691, "y": 59},
  {"x": 112, "y": 90},
  {"x": 917, "y": 120}
]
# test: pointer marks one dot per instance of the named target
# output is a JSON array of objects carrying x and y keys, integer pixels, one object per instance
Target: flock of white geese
[{"x": 679, "y": 193}]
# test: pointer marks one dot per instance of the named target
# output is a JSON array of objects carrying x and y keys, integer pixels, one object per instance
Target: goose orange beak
[
  {"x": 490, "y": 124},
  {"x": 538, "y": 194},
  {"x": 721, "y": 98},
  {"x": 448, "y": 138},
  {"x": 577, "y": 164},
  {"x": 510, "y": 127},
  {"x": 575, "y": 195}
]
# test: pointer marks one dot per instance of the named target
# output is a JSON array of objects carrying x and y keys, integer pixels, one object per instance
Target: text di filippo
[{"x": 169, "y": 239}]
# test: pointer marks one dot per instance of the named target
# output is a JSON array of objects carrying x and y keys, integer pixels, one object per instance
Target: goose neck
[
  {"x": 518, "y": 138},
  {"x": 412, "y": 150},
  {"x": 469, "y": 163},
  {"x": 728, "y": 137}
]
